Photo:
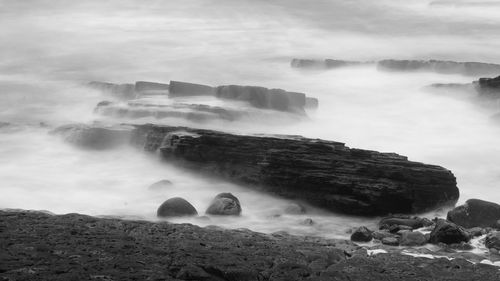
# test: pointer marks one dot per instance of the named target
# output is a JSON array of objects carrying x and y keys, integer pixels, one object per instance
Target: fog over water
[{"x": 51, "y": 48}]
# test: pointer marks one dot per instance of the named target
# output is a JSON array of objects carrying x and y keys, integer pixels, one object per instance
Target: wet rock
[
  {"x": 445, "y": 67},
  {"x": 184, "y": 89},
  {"x": 493, "y": 240},
  {"x": 295, "y": 209},
  {"x": 412, "y": 238},
  {"x": 160, "y": 185},
  {"x": 476, "y": 213},
  {"x": 448, "y": 233},
  {"x": 391, "y": 241},
  {"x": 95, "y": 137},
  {"x": 399, "y": 228},
  {"x": 362, "y": 234},
  {"x": 122, "y": 91},
  {"x": 412, "y": 222},
  {"x": 176, "y": 207},
  {"x": 381, "y": 234},
  {"x": 322, "y": 173},
  {"x": 476, "y": 231},
  {"x": 224, "y": 204}
]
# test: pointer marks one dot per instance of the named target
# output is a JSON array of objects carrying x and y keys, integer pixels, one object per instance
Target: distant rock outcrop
[
  {"x": 95, "y": 137},
  {"x": 322, "y": 173},
  {"x": 324, "y": 64},
  {"x": 121, "y": 91}
]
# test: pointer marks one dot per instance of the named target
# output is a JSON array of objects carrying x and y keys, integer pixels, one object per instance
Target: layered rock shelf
[
  {"x": 438, "y": 66},
  {"x": 322, "y": 173},
  {"x": 40, "y": 246}
]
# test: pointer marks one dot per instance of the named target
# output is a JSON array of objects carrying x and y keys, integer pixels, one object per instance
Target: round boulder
[
  {"x": 362, "y": 234},
  {"x": 295, "y": 209},
  {"x": 176, "y": 207},
  {"x": 476, "y": 213},
  {"x": 224, "y": 204}
]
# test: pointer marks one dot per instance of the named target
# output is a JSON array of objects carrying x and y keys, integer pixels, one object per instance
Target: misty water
[{"x": 50, "y": 49}]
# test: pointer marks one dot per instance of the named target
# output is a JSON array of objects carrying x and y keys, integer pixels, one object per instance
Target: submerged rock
[
  {"x": 176, "y": 207},
  {"x": 448, "y": 233},
  {"x": 160, "y": 185},
  {"x": 476, "y": 213},
  {"x": 322, "y": 173},
  {"x": 295, "y": 209},
  {"x": 362, "y": 234},
  {"x": 95, "y": 137},
  {"x": 439, "y": 66},
  {"x": 224, "y": 204}
]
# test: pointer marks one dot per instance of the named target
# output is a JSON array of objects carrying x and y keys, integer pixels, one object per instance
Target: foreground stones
[
  {"x": 439, "y": 66},
  {"x": 37, "y": 246},
  {"x": 476, "y": 213},
  {"x": 322, "y": 173}
]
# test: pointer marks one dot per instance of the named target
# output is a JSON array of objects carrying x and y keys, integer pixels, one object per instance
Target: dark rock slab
[
  {"x": 412, "y": 238},
  {"x": 412, "y": 222},
  {"x": 448, "y": 233},
  {"x": 38, "y": 246},
  {"x": 324, "y": 64},
  {"x": 439, "y": 66},
  {"x": 322, "y": 173},
  {"x": 476, "y": 213},
  {"x": 143, "y": 88},
  {"x": 488, "y": 87},
  {"x": 362, "y": 234},
  {"x": 121, "y": 91},
  {"x": 185, "y": 89},
  {"x": 261, "y": 97}
]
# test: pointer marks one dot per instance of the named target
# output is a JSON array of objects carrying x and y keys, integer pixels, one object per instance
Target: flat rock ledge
[
  {"x": 325, "y": 174},
  {"x": 40, "y": 246}
]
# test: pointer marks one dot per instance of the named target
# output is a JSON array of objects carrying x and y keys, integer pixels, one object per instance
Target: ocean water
[{"x": 50, "y": 49}]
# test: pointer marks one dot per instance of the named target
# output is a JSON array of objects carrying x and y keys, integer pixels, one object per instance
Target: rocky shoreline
[{"x": 40, "y": 246}]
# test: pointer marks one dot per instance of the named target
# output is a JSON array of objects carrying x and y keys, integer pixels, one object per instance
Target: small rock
[
  {"x": 295, "y": 209},
  {"x": 381, "y": 234},
  {"x": 160, "y": 185},
  {"x": 362, "y": 234},
  {"x": 176, "y": 207},
  {"x": 391, "y": 241},
  {"x": 448, "y": 233},
  {"x": 224, "y": 204},
  {"x": 307, "y": 221},
  {"x": 412, "y": 238},
  {"x": 493, "y": 240}
]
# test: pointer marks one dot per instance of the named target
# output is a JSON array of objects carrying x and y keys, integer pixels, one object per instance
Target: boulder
[
  {"x": 184, "y": 89},
  {"x": 224, "y": 204},
  {"x": 448, "y": 233},
  {"x": 476, "y": 213},
  {"x": 412, "y": 222},
  {"x": 362, "y": 234},
  {"x": 176, "y": 207},
  {"x": 412, "y": 238},
  {"x": 325, "y": 174},
  {"x": 160, "y": 185},
  {"x": 493, "y": 240},
  {"x": 95, "y": 137}
]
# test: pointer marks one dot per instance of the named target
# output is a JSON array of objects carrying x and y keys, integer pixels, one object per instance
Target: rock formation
[
  {"x": 325, "y": 174},
  {"x": 476, "y": 213},
  {"x": 176, "y": 207}
]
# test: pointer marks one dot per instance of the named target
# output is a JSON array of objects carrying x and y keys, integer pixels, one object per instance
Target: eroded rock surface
[{"x": 38, "y": 246}]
